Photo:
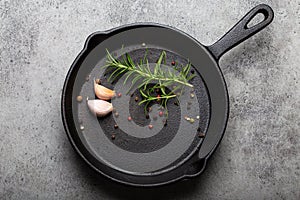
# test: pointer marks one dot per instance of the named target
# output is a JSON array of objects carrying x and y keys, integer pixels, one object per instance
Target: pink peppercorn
[{"x": 160, "y": 113}]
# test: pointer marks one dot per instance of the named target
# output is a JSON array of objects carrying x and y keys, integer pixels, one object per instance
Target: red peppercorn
[
  {"x": 119, "y": 94},
  {"x": 129, "y": 118},
  {"x": 150, "y": 126},
  {"x": 173, "y": 63},
  {"x": 160, "y": 113}
]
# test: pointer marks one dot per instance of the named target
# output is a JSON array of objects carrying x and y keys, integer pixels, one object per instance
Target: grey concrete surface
[{"x": 259, "y": 157}]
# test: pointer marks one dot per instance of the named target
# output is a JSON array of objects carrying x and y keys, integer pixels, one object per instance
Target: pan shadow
[
  {"x": 116, "y": 190},
  {"x": 248, "y": 54}
]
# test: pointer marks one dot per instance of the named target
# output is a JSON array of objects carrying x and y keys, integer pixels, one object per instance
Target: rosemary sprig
[{"x": 142, "y": 72}]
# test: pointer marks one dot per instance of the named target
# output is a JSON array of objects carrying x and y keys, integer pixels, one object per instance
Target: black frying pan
[{"x": 170, "y": 151}]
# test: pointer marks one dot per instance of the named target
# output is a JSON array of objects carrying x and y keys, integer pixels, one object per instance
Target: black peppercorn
[{"x": 165, "y": 122}]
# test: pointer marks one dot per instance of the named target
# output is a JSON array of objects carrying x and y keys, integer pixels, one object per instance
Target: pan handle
[{"x": 241, "y": 32}]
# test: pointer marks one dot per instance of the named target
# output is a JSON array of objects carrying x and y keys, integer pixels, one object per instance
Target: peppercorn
[
  {"x": 165, "y": 122},
  {"x": 160, "y": 113},
  {"x": 81, "y": 127},
  {"x": 201, "y": 135},
  {"x": 173, "y": 63},
  {"x": 79, "y": 98}
]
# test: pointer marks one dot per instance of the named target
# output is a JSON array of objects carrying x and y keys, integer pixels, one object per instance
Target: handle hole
[{"x": 258, "y": 18}]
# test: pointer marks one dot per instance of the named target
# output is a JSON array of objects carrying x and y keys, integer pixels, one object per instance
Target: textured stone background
[{"x": 259, "y": 157}]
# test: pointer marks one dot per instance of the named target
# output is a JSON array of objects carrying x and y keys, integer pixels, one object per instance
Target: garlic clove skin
[
  {"x": 100, "y": 108},
  {"x": 103, "y": 92}
]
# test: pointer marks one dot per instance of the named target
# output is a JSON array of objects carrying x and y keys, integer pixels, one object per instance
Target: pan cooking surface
[{"x": 136, "y": 149}]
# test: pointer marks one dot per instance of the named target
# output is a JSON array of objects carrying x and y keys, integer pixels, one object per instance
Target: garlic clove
[
  {"x": 103, "y": 92},
  {"x": 100, "y": 108}
]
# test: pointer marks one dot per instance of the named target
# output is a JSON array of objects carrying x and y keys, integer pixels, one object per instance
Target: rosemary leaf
[{"x": 163, "y": 78}]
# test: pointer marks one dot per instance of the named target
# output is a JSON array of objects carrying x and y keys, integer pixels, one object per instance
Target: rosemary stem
[{"x": 148, "y": 75}]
